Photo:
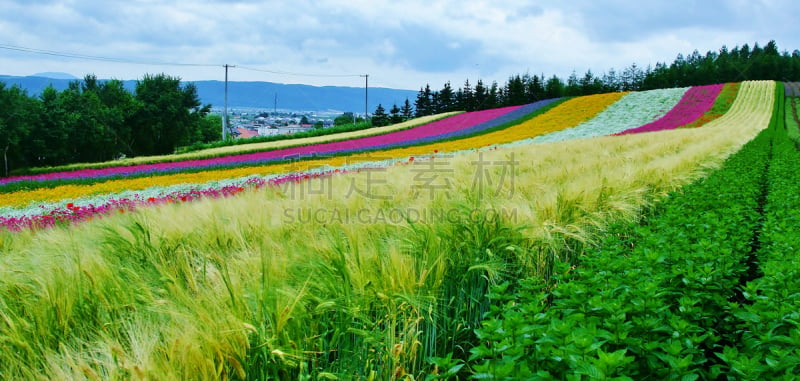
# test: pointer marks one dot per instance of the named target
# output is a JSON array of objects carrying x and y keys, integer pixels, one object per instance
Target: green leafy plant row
[
  {"x": 769, "y": 347},
  {"x": 657, "y": 299}
]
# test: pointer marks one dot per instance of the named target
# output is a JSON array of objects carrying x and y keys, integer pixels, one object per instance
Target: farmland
[{"x": 627, "y": 234}]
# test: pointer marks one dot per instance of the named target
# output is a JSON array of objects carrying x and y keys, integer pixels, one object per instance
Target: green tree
[
  {"x": 465, "y": 99},
  {"x": 407, "y": 111},
  {"x": 394, "y": 115},
  {"x": 97, "y": 117},
  {"x": 424, "y": 103},
  {"x": 590, "y": 84},
  {"x": 47, "y": 144},
  {"x": 515, "y": 91},
  {"x": 379, "y": 117},
  {"x": 209, "y": 129},
  {"x": 118, "y": 109},
  {"x": 346, "y": 118},
  {"x": 554, "y": 88},
  {"x": 480, "y": 95},
  {"x": 534, "y": 88},
  {"x": 18, "y": 116},
  {"x": 633, "y": 76},
  {"x": 169, "y": 114},
  {"x": 610, "y": 81},
  {"x": 446, "y": 99},
  {"x": 573, "y": 86},
  {"x": 493, "y": 97}
]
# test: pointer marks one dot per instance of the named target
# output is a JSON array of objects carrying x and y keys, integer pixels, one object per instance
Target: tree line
[
  {"x": 695, "y": 69},
  {"x": 93, "y": 121}
]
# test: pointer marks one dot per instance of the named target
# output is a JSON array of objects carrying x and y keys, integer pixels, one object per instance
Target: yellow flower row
[{"x": 568, "y": 114}]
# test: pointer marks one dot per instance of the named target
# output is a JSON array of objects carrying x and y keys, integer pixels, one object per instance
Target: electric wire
[
  {"x": 98, "y": 58},
  {"x": 297, "y": 74},
  {"x": 128, "y": 61}
]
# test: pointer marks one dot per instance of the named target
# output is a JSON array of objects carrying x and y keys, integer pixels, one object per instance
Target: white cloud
[{"x": 400, "y": 44}]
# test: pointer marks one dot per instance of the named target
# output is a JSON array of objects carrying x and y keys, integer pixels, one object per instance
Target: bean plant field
[{"x": 629, "y": 235}]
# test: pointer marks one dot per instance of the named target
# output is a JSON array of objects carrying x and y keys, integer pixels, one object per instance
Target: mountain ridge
[{"x": 256, "y": 94}]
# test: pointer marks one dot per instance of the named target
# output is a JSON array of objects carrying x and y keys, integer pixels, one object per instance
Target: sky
[{"x": 398, "y": 44}]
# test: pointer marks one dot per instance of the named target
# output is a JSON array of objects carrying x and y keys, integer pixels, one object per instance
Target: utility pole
[
  {"x": 366, "y": 95},
  {"x": 225, "y": 113}
]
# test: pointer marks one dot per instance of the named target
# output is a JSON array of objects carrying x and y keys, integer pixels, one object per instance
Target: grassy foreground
[{"x": 361, "y": 276}]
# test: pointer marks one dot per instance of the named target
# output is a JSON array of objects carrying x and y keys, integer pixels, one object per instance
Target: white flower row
[{"x": 632, "y": 110}]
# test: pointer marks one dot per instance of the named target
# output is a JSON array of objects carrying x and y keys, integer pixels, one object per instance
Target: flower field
[
  {"x": 500, "y": 244},
  {"x": 721, "y": 105},
  {"x": 633, "y": 110},
  {"x": 403, "y": 137},
  {"x": 694, "y": 104},
  {"x": 250, "y": 147}
]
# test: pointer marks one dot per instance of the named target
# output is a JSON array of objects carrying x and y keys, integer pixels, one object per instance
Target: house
[{"x": 245, "y": 133}]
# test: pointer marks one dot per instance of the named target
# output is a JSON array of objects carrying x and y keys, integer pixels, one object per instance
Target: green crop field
[{"x": 624, "y": 235}]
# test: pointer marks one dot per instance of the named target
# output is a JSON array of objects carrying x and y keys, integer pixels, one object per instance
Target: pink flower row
[{"x": 694, "y": 103}]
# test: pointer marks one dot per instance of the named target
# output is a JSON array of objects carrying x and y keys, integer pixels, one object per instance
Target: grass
[{"x": 250, "y": 289}]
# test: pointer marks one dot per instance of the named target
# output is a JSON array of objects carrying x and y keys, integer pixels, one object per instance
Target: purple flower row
[
  {"x": 694, "y": 103},
  {"x": 442, "y": 127}
]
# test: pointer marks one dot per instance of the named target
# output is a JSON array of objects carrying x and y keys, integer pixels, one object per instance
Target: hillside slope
[{"x": 374, "y": 264}]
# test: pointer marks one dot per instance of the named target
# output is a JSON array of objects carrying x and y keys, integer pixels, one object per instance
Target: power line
[
  {"x": 128, "y": 61},
  {"x": 297, "y": 74},
  {"x": 97, "y": 58},
  {"x": 226, "y": 66}
]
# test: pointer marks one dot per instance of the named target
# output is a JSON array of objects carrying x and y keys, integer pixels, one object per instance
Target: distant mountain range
[{"x": 253, "y": 94}]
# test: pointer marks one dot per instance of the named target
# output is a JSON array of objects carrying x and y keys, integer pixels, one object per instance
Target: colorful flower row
[
  {"x": 265, "y": 146},
  {"x": 633, "y": 110},
  {"x": 694, "y": 104},
  {"x": 749, "y": 108},
  {"x": 564, "y": 115},
  {"x": 71, "y": 213},
  {"x": 51, "y": 214},
  {"x": 408, "y": 136},
  {"x": 128, "y": 194},
  {"x": 721, "y": 106},
  {"x": 478, "y": 128}
]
